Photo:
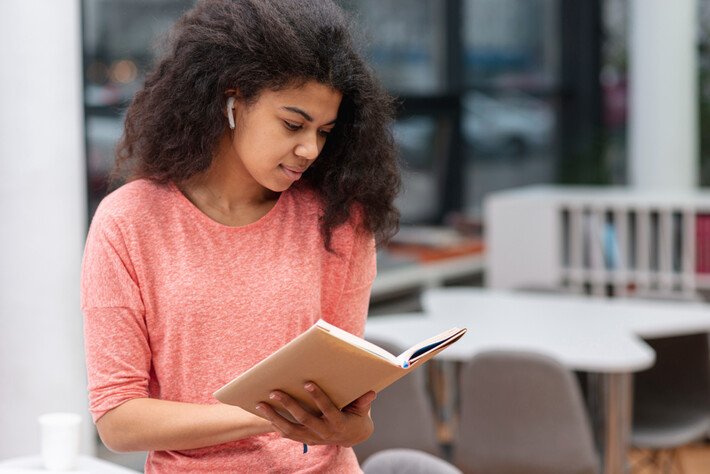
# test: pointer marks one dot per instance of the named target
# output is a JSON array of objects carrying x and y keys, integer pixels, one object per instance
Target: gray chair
[
  {"x": 406, "y": 461},
  {"x": 522, "y": 413},
  {"x": 402, "y": 415},
  {"x": 672, "y": 400}
]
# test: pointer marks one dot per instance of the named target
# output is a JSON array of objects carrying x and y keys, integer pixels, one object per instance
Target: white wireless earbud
[{"x": 230, "y": 112}]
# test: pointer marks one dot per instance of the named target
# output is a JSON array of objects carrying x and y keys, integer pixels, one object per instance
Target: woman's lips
[{"x": 293, "y": 173}]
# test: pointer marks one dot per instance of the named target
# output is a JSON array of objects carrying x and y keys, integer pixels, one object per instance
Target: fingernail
[
  {"x": 309, "y": 387},
  {"x": 258, "y": 407},
  {"x": 274, "y": 396}
]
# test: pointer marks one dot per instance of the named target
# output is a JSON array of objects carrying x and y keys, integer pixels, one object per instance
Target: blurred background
[{"x": 493, "y": 95}]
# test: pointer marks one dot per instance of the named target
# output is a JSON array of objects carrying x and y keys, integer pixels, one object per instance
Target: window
[
  {"x": 494, "y": 93},
  {"x": 504, "y": 98}
]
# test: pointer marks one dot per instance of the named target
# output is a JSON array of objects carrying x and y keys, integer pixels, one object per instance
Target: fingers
[
  {"x": 323, "y": 402},
  {"x": 298, "y": 413},
  {"x": 361, "y": 406},
  {"x": 283, "y": 426},
  {"x": 366, "y": 399}
]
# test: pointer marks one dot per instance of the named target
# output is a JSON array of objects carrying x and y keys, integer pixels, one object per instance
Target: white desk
[
  {"x": 602, "y": 337},
  {"x": 86, "y": 465},
  {"x": 416, "y": 275}
]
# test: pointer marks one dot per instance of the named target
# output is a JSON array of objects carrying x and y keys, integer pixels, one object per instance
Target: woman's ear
[
  {"x": 230, "y": 111},
  {"x": 231, "y": 96}
]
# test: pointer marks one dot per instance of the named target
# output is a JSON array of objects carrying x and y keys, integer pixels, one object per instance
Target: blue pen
[{"x": 305, "y": 448}]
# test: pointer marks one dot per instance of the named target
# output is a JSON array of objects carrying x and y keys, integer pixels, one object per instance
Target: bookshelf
[{"x": 604, "y": 241}]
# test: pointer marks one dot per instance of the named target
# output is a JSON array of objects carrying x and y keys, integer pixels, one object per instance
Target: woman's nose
[{"x": 309, "y": 147}]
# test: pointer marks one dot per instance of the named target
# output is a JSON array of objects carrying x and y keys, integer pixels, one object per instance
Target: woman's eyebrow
[{"x": 303, "y": 113}]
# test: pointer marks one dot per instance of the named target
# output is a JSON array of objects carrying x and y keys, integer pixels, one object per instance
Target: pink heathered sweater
[{"x": 176, "y": 304}]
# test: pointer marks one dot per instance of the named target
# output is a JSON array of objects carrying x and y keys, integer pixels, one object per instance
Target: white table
[
  {"x": 86, "y": 465},
  {"x": 416, "y": 275},
  {"x": 601, "y": 337}
]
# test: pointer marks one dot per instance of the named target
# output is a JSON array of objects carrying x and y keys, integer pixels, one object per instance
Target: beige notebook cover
[{"x": 343, "y": 365}]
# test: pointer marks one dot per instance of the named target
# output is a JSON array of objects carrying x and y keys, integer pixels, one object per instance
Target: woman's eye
[
  {"x": 324, "y": 133},
  {"x": 292, "y": 126}
]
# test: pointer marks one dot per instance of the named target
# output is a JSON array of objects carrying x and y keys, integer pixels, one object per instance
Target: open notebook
[{"x": 342, "y": 364}]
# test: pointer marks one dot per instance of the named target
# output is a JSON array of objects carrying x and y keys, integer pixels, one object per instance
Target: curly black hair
[{"x": 174, "y": 123}]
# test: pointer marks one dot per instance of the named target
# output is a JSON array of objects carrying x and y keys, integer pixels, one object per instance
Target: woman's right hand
[{"x": 347, "y": 427}]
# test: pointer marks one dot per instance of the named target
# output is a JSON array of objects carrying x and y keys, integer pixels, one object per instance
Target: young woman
[{"x": 261, "y": 173}]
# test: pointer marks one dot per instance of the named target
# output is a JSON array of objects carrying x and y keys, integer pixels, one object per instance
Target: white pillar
[
  {"x": 42, "y": 219},
  {"x": 663, "y": 115}
]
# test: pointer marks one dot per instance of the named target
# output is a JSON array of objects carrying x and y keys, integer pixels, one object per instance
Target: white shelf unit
[{"x": 606, "y": 241}]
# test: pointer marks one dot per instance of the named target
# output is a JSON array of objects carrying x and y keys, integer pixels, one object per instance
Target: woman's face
[{"x": 280, "y": 135}]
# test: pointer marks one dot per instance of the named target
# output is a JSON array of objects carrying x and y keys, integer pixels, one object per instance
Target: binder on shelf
[
  {"x": 565, "y": 223},
  {"x": 632, "y": 240},
  {"x": 677, "y": 239},
  {"x": 620, "y": 275},
  {"x": 689, "y": 256},
  {"x": 593, "y": 241},
  {"x": 612, "y": 252},
  {"x": 654, "y": 242},
  {"x": 702, "y": 243},
  {"x": 576, "y": 242},
  {"x": 643, "y": 243},
  {"x": 587, "y": 239},
  {"x": 665, "y": 250}
]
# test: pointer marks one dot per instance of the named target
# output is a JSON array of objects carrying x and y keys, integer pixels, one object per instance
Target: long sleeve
[{"x": 115, "y": 334}]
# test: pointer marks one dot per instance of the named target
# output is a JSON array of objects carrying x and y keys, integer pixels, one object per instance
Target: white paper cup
[{"x": 60, "y": 439}]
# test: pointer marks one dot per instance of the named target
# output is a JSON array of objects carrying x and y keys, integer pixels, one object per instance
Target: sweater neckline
[{"x": 193, "y": 210}]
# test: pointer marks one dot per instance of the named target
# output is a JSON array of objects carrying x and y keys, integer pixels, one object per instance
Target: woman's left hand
[{"x": 346, "y": 427}]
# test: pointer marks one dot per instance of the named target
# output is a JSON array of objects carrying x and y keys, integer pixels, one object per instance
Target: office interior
[{"x": 586, "y": 101}]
